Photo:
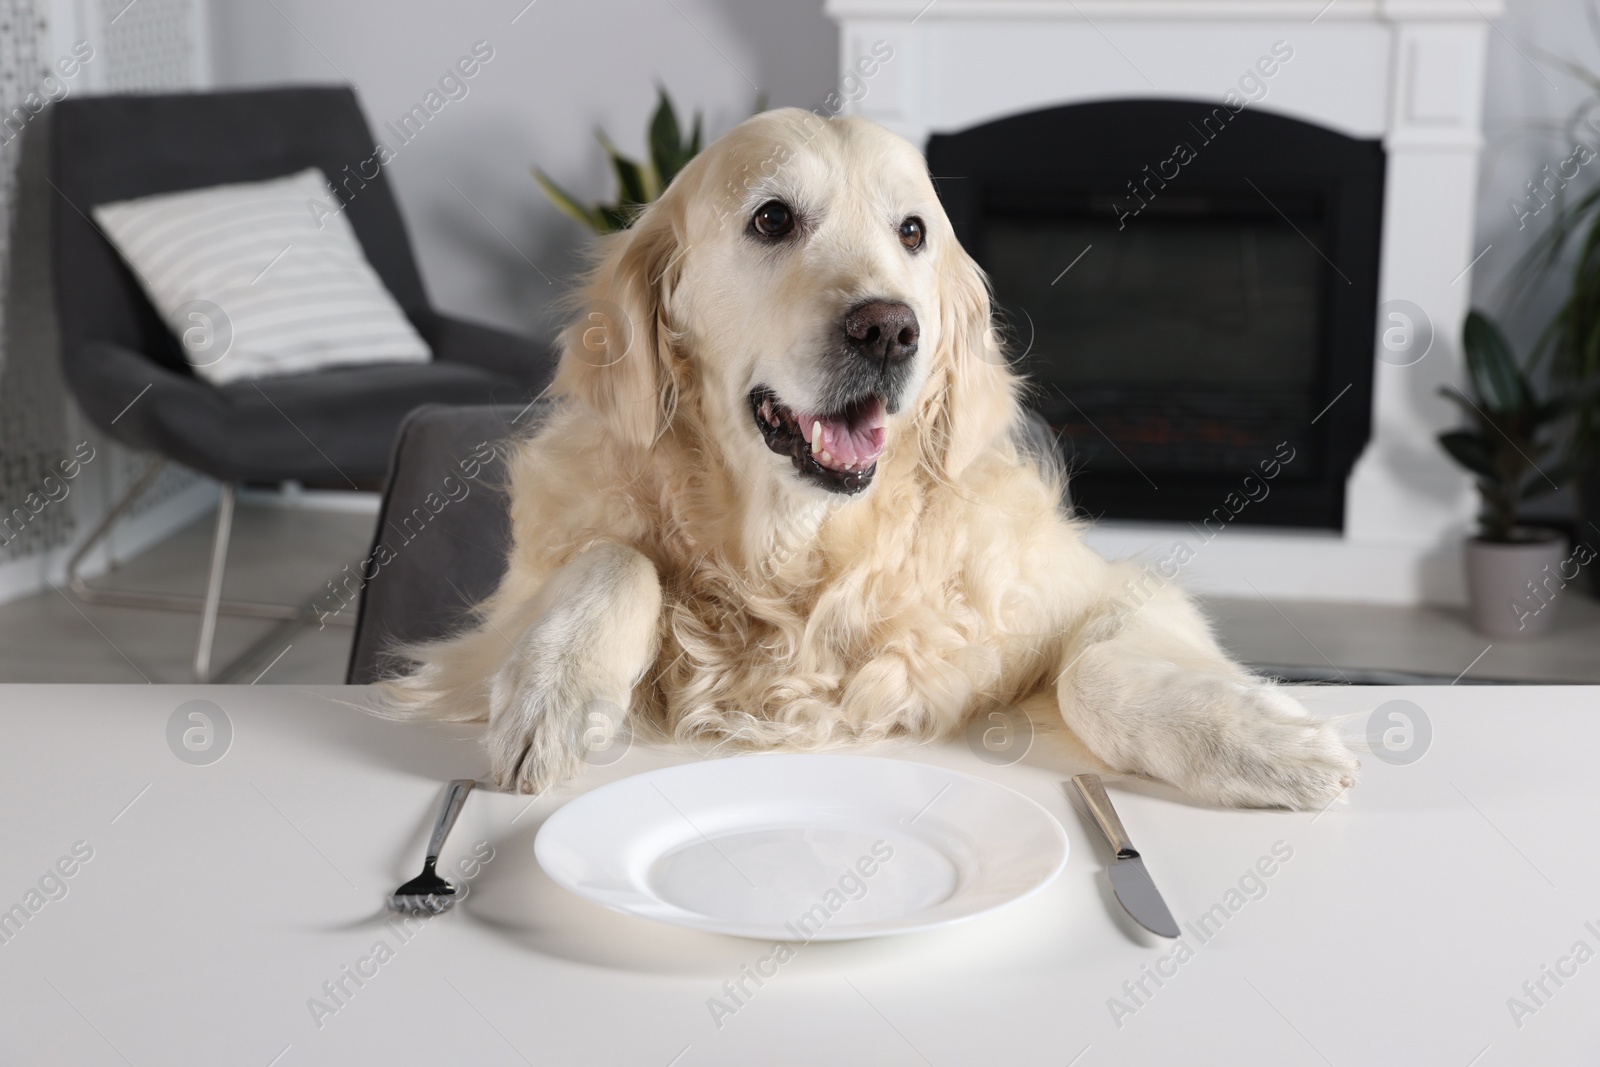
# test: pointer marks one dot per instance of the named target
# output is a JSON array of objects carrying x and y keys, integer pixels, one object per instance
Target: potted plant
[
  {"x": 637, "y": 184},
  {"x": 1571, "y": 341},
  {"x": 1513, "y": 571}
]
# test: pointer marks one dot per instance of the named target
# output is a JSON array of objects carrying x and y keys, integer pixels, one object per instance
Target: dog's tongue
[{"x": 852, "y": 441}]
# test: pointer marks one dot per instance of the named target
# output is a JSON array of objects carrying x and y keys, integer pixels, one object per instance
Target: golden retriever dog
[{"x": 781, "y": 501}]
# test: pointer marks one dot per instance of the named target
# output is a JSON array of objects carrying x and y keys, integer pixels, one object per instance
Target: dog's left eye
[
  {"x": 911, "y": 233},
  {"x": 773, "y": 219}
]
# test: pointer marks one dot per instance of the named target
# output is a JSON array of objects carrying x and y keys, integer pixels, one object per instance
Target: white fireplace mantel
[{"x": 1407, "y": 72}]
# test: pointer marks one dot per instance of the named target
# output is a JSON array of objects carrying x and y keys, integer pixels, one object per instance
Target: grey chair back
[{"x": 443, "y": 530}]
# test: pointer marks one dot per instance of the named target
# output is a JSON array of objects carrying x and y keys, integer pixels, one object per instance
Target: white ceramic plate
[{"x": 803, "y": 847}]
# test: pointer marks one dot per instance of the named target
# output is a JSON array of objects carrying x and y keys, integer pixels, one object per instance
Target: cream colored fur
[{"x": 666, "y": 561}]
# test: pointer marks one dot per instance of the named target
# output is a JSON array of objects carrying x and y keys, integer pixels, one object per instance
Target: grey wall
[{"x": 560, "y": 70}]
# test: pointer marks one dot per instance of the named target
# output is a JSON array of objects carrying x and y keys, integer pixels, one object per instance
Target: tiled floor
[
  {"x": 1352, "y": 641},
  {"x": 286, "y": 555},
  {"x": 278, "y": 554}
]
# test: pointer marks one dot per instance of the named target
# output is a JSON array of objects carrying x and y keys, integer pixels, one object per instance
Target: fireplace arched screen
[{"x": 1191, "y": 289}]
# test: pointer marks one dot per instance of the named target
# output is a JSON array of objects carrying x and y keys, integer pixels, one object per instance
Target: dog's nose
[{"x": 882, "y": 330}]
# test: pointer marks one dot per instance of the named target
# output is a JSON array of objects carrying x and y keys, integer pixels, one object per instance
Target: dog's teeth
[
  {"x": 816, "y": 435},
  {"x": 824, "y": 457}
]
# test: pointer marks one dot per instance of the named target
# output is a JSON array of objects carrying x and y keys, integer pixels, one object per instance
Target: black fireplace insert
[{"x": 1191, "y": 291}]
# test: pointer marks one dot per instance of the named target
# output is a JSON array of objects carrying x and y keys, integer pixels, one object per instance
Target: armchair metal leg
[
  {"x": 211, "y": 605},
  {"x": 79, "y": 587},
  {"x": 213, "y": 601},
  {"x": 159, "y": 601}
]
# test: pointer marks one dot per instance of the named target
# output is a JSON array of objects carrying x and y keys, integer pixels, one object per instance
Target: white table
[{"x": 219, "y": 899}]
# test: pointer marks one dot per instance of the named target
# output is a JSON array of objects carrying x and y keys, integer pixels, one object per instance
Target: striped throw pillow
[{"x": 255, "y": 280}]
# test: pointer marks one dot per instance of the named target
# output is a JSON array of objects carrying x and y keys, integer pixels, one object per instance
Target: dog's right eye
[{"x": 773, "y": 219}]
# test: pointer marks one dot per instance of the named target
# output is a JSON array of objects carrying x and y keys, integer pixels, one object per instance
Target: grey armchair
[{"x": 332, "y": 428}]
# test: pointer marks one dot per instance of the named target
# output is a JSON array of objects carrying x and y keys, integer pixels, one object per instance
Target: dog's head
[{"x": 798, "y": 300}]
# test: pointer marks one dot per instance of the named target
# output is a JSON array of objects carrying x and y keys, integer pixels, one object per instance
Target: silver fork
[{"x": 428, "y": 893}]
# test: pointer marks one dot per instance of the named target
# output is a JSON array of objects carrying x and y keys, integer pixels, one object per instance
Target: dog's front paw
[
  {"x": 1220, "y": 736},
  {"x": 531, "y": 747},
  {"x": 542, "y": 736},
  {"x": 1270, "y": 754}
]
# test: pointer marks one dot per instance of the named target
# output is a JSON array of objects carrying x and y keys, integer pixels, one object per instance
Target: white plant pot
[{"x": 1513, "y": 590}]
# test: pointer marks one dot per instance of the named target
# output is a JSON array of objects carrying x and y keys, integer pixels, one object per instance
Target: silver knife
[{"x": 1131, "y": 881}]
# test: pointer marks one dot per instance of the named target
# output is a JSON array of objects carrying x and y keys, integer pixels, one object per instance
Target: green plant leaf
[
  {"x": 631, "y": 185},
  {"x": 1495, "y": 375},
  {"x": 1473, "y": 451},
  {"x": 697, "y": 136},
  {"x": 1472, "y": 410},
  {"x": 666, "y": 142},
  {"x": 568, "y": 204},
  {"x": 1560, "y": 474}
]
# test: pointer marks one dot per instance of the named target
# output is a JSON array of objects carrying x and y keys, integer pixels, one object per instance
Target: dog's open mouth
[{"x": 837, "y": 450}]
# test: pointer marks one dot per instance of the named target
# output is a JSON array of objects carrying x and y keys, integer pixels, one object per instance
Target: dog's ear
[
  {"x": 617, "y": 355},
  {"x": 978, "y": 403}
]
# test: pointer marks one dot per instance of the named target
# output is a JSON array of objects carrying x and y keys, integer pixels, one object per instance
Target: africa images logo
[{"x": 199, "y": 732}]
